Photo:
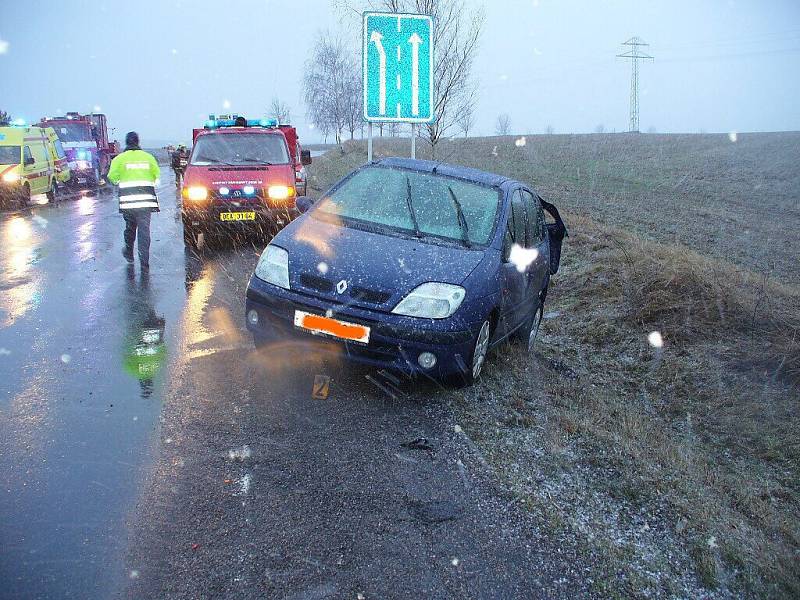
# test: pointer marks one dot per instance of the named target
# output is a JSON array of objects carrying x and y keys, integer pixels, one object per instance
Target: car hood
[
  {"x": 232, "y": 176},
  {"x": 378, "y": 269}
]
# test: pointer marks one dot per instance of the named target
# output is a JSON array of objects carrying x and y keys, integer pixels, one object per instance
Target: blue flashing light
[
  {"x": 18, "y": 123},
  {"x": 249, "y": 190},
  {"x": 224, "y": 191},
  {"x": 214, "y": 123},
  {"x": 83, "y": 155}
]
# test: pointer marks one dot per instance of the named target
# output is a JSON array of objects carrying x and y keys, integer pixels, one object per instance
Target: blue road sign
[{"x": 398, "y": 67}]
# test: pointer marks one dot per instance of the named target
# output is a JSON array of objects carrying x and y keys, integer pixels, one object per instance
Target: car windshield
[
  {"x": 73, "y": 132},
  {"x": 379, "y": 196},
  {"x": 240, "y": 149},
  {"x": 10, "y": 155}
]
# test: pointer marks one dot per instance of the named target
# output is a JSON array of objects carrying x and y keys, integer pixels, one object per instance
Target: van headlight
[
  {"x": 273, "y": 266},
  {"x": 280, "y": 192},
  {"x": 11, "y": 177},
  {"x": 431, "y": 301},
  {"x": 196, "y": 193}
]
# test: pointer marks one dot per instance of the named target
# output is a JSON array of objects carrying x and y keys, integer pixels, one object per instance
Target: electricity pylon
[{"x": 635, "y": 55}]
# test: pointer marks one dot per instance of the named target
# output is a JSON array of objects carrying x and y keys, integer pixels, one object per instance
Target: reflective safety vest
[{"x": 136, "y": 173}]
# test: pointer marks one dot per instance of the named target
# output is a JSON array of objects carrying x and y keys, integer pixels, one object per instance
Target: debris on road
[
  {"x": 239, "y": 454},
  {"x": 321, "y": 388},
  {"x": 420, "y": 443}
]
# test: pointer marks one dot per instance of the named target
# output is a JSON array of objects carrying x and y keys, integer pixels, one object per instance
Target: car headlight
[
  {"x": 12, "y": 177},
  {"x": 431, "y": 301},
  {"x": 273, "y": 266},
  {"x": 280, "y": 192},
  {"x": 196, "y": 193}
]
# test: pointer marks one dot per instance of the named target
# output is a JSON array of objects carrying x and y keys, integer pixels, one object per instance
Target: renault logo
[{"x": 341, "y": 286}]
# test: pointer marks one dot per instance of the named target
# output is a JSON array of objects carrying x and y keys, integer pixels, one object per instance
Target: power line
[{"x": 635, "y": 55}]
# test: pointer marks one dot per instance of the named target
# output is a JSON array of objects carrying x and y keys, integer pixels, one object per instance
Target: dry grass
[
  {"x": 678, "y": 467},
  {"x": 701, "y": 434}
]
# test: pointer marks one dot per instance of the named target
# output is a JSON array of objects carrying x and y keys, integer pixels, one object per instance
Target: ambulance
[
  {"x": 30, "y": 164},
  {"x": 242, "y": 177}
]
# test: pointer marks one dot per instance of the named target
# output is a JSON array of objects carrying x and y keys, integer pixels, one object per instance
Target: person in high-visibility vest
[{"x": 136, "y": 173}]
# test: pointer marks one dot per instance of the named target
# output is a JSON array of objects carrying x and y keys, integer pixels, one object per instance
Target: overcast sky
[{"x": 161, "y": 66}]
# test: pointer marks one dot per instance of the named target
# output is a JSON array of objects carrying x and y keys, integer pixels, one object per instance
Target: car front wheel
[{"x": 480, "y": 350}]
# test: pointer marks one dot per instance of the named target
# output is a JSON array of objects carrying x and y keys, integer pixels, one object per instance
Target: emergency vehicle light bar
[{"x": 214, "y": 123}]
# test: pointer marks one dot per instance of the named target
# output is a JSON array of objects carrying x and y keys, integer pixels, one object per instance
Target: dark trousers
[{"x": 138, "y": 219}]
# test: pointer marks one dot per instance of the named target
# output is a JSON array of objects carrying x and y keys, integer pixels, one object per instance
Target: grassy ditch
[{"x": 679, "y": 465}]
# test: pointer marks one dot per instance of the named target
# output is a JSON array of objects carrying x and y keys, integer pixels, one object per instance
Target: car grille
[
  {"x": 316, "y": 283},
  {"x": 361, "y": 294},
  {"x": 371, "y": 296}
]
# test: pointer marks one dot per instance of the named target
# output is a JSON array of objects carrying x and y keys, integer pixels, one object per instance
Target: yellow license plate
[
  {"x": 237, "y": 216},
  {"x": 333, "y": 327}
]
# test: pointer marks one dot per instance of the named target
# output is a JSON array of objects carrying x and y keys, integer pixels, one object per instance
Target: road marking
[
  {"x": 377, "y": 39},
  {"x": 415, "y": 41}
]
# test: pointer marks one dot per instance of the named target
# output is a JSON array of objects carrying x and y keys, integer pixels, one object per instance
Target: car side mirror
[
  {"x": 303, "y": 203},
  {"x": 305, "y": 157},
  {"x": 29, "y": 160}
]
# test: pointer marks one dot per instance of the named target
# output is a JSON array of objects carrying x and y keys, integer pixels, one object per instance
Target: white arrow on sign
[
  {"x": 377, "y": 38},
  {"x": 415, "y": 41}
]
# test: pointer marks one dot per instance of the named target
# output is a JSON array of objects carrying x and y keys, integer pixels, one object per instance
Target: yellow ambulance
[{"x": 28, "y": 165}]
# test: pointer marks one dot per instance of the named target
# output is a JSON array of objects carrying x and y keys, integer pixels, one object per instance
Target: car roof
[{"x": 430, "y": 166}]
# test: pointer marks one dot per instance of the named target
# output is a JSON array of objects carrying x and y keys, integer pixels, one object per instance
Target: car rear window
[
  {"x": 379, "y": 196},
  {"x": 240, "y": 149}
]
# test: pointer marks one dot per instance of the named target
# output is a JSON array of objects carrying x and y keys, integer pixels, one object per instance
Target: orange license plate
[{"x": 333, "y": 327}]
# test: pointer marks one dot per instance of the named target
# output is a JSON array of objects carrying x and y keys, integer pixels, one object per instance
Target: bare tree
[
  {"x": 392, "y": 128},
  {"x": 280, "y": 111},
  {"x": 465, "y": 121},
  {"x": 353, "y": 102},
  {"x": 600, "y": 128},
  {"x": 5, "y": 119},
  {"x": 549, "y": 130},
  {"x": 456, "y": 33},
  {"x": 329, "y": 86},
  {"x": 502, "y": 125}
]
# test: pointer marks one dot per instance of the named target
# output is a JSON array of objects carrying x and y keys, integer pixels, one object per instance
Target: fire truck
[
  {"x": 243, "y": 175},
  {"x": 86, "y": 142}
]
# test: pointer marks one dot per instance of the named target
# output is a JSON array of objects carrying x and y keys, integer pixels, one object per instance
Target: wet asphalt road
[{"x": 148, "y": 451}]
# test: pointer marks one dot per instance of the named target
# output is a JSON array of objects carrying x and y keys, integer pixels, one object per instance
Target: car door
[
  {"x": 515, "y": 280},
  {"x": 536, "y": 237},
  {"x": 46, "y": 165},
  {"x": 30, "y": 169}
]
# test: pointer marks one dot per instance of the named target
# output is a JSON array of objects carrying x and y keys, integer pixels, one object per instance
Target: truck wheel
[{"x": 52, "y": 195}]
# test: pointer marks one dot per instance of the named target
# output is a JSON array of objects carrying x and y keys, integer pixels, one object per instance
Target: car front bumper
[
  {"x": 209, "y": 217},
  {"x": 395, "y": 341}
]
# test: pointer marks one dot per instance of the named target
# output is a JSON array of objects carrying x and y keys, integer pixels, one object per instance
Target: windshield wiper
[
  {"x": 462, "y": 222},
  {"x": 212, "y": 160},
  {"x": 411, "y": 208},
  {"x": 257, "y": 161}
]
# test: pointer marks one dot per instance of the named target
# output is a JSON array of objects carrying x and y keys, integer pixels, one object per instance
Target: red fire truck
[
  {"x": 242, "y": 175},
  {"x": 86, "y": 142}
]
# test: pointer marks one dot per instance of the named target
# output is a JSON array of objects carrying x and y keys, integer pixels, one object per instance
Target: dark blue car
[{"x": 410, "y": 265}]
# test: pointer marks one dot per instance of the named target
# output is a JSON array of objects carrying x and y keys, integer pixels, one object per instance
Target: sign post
[
  {"x": 369, "y": 141},
  {"x": 397, "y": 68}
]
